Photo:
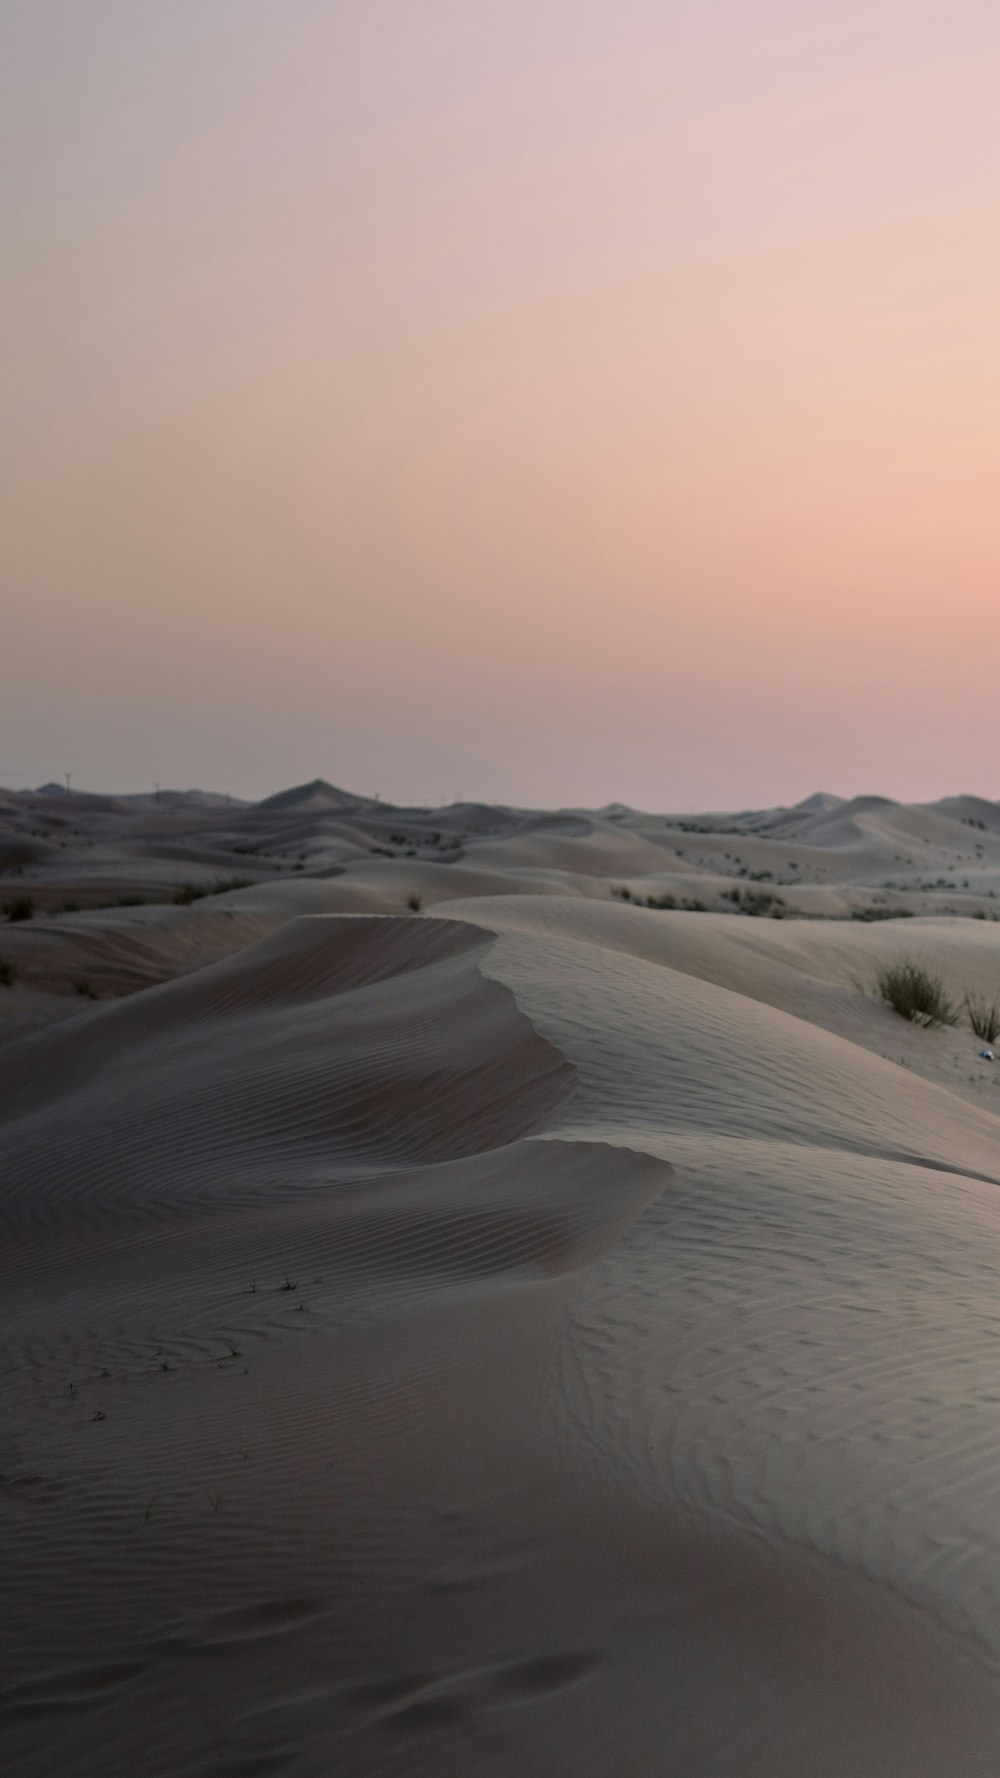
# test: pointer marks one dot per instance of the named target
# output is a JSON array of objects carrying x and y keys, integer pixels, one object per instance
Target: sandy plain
[{"x": 492, "y": 1292}]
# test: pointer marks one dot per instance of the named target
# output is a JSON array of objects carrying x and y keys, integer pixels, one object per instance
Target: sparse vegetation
[
  {"x": 7, "y": 973},
  {"x": 223, "y": 886},
  {"x": 983, "y": 1016},
  {"x": 414, "y": 902},
  {"x": 873, "y": 913},
  {"x": 188, "y": 892},
  {"x": 21, "y": 908},
  {"x": 757, "y": 902},
  {"x": 84, "y": 988},
  {"x": 912, "y": 991},
  {"x": 116, "y": 901},
  {"x": 686, "y": 903}
]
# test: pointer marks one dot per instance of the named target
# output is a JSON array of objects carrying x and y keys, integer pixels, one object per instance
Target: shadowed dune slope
[
  {"x": 334, "y": 1047},
  {"x": 351, "y": 1093}
]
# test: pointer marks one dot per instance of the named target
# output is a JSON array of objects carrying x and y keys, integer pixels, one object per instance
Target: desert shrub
[
  {"x": 6, "y": 974},
  {"x": 756, "y": 902},
  {"x": 983, "y": 1016},
  {"x": 912, "y": 991},
  {"x": 21, "y": 908},
  {"x": 188, "y": 892},
  {"x": 881, "y": 914},
  {"x": 84, "y": 988},
  {"x": 223, "y": 886},
  {"x": 414, "y": 902},
  {"x": 661, "y": 901},
  {"x": 625, "y": 894},
  {"x": 760, "y": 902}
]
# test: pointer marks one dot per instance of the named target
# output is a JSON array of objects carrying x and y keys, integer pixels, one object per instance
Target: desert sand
[{"x": 464, "y": 1317}]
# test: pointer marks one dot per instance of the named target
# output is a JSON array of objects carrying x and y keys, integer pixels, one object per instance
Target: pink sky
[{"x": 557, "y": 401}]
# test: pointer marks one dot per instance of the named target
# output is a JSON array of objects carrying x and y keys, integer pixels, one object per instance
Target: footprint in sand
[
  {"x": 455, "y": 1697},
  {"x": 251, "y": 1623},
  {"x": 69, "y": 1688}
]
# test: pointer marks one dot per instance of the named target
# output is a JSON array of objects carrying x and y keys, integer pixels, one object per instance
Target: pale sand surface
[{"x": 531, "y": 1333}]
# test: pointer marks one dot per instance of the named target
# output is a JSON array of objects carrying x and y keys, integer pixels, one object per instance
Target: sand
[{"x": 529, "y": 1331}]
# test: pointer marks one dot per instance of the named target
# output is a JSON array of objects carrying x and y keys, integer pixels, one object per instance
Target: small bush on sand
[
  {"x": 761, "y": 902},
  {"x": 414, "y": 902},
  {"x": 84, "y": 988},
  {"x": 223, "y": 886},
  {"x": 6, "y": 974},
  {"x": 188, "y": 893},
  {"x": 913, "y": 992},
  {"x": 21, "y": 908},
  {"x": 983, "y": 1016}
]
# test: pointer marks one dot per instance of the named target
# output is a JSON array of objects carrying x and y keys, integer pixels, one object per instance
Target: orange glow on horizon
[{"x": 607, "y": 401}]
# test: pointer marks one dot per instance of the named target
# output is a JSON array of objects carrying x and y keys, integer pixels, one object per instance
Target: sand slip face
[{"x": 641, "y": 1410}]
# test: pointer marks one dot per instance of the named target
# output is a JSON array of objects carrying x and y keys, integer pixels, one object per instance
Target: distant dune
[
  {"x": 318, "y": 796},
  {"x": 491, "y": 1291}
]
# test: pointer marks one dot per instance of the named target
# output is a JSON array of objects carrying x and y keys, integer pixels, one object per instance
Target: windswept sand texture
[{"x": 524, "y": 1333}]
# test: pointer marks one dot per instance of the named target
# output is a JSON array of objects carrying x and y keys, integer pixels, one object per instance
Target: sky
[{"x": 556, "y": 402}]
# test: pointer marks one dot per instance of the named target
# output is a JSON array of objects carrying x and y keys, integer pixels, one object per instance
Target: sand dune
[{"x": 461, "y": 1321}]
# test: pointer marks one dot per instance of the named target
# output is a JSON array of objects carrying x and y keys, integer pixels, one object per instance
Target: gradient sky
[{"x": 555, "y": 401}]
